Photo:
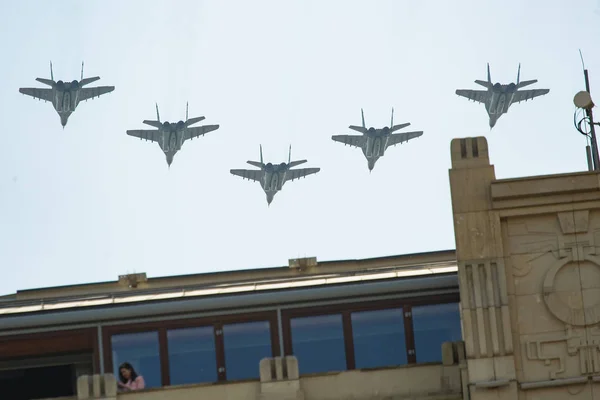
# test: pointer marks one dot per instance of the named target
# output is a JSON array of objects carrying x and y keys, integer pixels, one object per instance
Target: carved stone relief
[
  {"x": 573, "y": 313},
  {"x": 576, "y": 346},
  {"x": 576, "y": 351}
]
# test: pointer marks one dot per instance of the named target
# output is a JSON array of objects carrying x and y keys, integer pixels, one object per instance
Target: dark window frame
[
  {"x": 346, "y": 310},
  {"x": 40, "y": 344},
  {"x": 163, "y": 326}
]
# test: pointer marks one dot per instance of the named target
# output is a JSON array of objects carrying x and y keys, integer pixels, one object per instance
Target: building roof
[{"x": 299, "y": 274}]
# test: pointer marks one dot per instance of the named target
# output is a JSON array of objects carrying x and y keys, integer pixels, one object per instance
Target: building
[
  {"x": 206, "y": 328},
  {"x": 525, "y": 272}
]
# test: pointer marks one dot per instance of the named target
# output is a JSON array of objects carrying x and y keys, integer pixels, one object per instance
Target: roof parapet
[
  {"x": 302, "y": 264},
  {"x": 133, "y": 280},
  {"x": 469, "y": 152}
]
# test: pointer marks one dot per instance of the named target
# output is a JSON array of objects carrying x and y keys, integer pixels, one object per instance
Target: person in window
[{"x": 129, "y": 379}]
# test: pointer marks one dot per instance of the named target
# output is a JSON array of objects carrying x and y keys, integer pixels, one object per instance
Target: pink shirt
[{"x": 138, "y": 383}]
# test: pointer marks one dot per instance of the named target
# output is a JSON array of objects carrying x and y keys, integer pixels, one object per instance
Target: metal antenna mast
[{"x": 583, "y": 100}]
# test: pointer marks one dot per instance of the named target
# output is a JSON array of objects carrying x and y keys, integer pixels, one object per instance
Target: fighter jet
[
  {"x": 498, "y": 97},
  {"x": 374, "y": 142},
  {"x": 66, "y": 96},
  {"x": 170, "y": 136},
  {"x": 272, "y": 177}
]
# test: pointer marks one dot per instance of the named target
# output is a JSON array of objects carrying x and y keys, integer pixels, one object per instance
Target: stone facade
[
  {"x": 280, "y": 380},
  {"x": 528, "y": 251}
]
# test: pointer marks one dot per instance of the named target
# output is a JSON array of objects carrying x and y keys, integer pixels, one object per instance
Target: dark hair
[{"x": 128, "y": 366}]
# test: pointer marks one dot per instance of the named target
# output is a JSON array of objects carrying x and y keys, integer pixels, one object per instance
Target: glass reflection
[
  {"x": 192, "y": 355},
  {"x": 379, "y": 338},
  {"x": 433, "y": 325},
  {"x": 318, "y": 343},
  {"x": 141, "y": 350},
  {"x": 245, "y": 345}
]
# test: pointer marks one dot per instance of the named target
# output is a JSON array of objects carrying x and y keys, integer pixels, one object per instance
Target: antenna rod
[{"x": 595, "y": 157}]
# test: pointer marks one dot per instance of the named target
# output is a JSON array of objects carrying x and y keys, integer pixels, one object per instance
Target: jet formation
[
  {"x": 271, "y": 176},
  {"x": 66, "y": 96},
  {"x": 170, "y": 136},
  {"x": 498, "y": 97},
  {"x": 374, "y": 142}
]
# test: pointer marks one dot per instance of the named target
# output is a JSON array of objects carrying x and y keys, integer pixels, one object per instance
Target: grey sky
[{"x": 89, "y": 203}]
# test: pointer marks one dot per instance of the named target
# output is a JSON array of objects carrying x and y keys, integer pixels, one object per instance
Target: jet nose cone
[
  {"x": 169, "y": 161},
  {"x": 270, "y": 198}
]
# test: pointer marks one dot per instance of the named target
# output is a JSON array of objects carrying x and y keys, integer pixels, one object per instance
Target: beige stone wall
[
  {"x": 529, "y": 267},
  {"x": 279, "y": 380}
]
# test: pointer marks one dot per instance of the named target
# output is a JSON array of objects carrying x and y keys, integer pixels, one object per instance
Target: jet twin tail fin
[
  {"x": 49, "y": 82},
  {"x": 191, "y": 121},
  {"x": 362, "y": 114},
  {"x": 256, "y": 163},
  {"x": 524, "y": 83},
  {"x": 485, "y": 84},
  {"x": 291, "y": 163},
  {"x": 82, "y": 82},
  {"x": 86, "y": 81},
  {"x": 519, "y": 85},
  {"x": 157, "y": 123},
  {"x": 362, "y": 129},
  {"x": 393, "y": 127}
]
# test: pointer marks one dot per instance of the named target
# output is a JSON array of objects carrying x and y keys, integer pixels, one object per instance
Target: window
[
  {"x": 194, "y": 350},
  {"x": 38, "y": 383},
  {"x": 141, "y": 350},
  {"x": 433, "y": 325},
  {"x": 379, "y": 338},
  {"x": 192, "y": 355},
  {"x": 245, "y": 345},
  {"x": 318, "y": 343}
]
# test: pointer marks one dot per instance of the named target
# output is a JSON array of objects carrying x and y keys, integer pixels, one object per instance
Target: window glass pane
[
  {"x": 192, "y": 355},
  {"x": 141, "y": 350},
  {"x": 379, "y": 338},
  {"x": 245, "y": 345},
  {"x": 433, "y": 325},
  {"x": 318, "y": 343}
]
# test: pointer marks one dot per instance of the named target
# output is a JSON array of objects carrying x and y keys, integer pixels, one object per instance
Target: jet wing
[
  {"x": 42, "y": 94},
  {"x": 146, "y": 134},
  {"x": 398, "y": 138},
  {"x": 350, "y": 140},
  {"x": 292, "y": 174},
  {"x": 521, "y": 95},
  {"x": 251, "y": 174},
  {"x": 480, "y": 96},
  {"x": 90, "y": 93},
  {"x": 191, "y": 133}
]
